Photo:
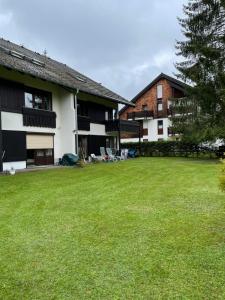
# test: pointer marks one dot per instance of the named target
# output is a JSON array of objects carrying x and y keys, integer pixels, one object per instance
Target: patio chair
[
  {"x": 111, "y": 156},
  {"x": 124, "y": 154},
  {"x": 94, "y": 158},
  {"x": 104, "y": 156}
]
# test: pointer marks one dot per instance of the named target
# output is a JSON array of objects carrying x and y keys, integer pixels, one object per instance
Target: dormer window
[{"x": 159, "y": 91}]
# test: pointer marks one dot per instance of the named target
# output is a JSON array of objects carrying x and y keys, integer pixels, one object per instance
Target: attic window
[
  {"x": 17, "y": 54},
  {"x": 80, "y": 78},
  {"x": 38, "y": 62},
  {"x": 22, "y": 56}
]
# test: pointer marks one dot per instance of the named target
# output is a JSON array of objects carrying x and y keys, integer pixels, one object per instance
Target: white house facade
[{"x": 48, "y": 109}]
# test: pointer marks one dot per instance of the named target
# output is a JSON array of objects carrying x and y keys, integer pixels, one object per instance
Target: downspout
[{"x": 76, "y": 121}]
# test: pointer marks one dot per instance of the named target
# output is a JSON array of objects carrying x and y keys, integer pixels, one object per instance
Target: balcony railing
[
  {"x": 39, "y": 118},
  {"x": 122, "y": 126},
  {"x": 84, "y": 123},
  {"x": 140, "y": 114}
]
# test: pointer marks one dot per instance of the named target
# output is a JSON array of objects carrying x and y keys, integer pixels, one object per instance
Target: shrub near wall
[
  {"x": 170, "y": 148},
  {"x": 222, "y": 177}
]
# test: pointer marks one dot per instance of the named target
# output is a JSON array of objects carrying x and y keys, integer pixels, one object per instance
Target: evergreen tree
[{"x": 202, "y": 112}]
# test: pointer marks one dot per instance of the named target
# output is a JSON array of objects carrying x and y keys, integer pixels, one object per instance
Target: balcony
[
  {"x": 84, "y": 123},
  {"x": 145, "y": 114},
  {"x": 39, "y": 118},
  {"x": 122, "y": 126}
]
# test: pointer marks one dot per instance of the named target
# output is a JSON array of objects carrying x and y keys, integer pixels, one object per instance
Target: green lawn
[{"x": 151, "y": 228}]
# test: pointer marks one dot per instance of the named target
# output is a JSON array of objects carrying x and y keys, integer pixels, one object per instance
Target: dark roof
[
  {"x": 32, "y": 63},
  {"x": 173, "y": 82}
]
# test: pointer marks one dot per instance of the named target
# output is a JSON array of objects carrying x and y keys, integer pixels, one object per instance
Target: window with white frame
[
  {"x": 159, "y": 91},
  {"x": 160, "y": 127},
  {"x": 159, "y": 106}
]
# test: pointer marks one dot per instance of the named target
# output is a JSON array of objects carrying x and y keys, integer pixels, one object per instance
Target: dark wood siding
[
  {"x": 14, "y": 145},
  {"x": 94, "y": 111},
  {"x": 95, "y": 142},
  {"x": 11, "y": 96},
  {"x": 83, "y": 123}
]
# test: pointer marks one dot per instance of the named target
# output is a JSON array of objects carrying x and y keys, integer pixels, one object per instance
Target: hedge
[{"x": 170, "y": 148}]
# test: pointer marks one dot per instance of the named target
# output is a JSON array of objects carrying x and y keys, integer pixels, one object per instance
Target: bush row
[
  {"x": 222, "y": 177},
  {"x": 171, "y": 148}
]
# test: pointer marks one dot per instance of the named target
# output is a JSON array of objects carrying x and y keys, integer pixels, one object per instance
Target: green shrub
[
  {"x": 171, "y": 148},
  {"x": 222, "y": 183},
  {"x": 81, "y": 163},
  {"x": 222, "y": 177}
]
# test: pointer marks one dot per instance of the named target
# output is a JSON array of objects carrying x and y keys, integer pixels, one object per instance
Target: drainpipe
[{"x": 76, "y": 121}]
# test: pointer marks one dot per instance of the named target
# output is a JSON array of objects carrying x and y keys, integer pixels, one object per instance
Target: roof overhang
[{"x": 72, "y": 88}]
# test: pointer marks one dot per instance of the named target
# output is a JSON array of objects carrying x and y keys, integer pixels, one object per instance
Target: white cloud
[{"x": 122, "y": 44}]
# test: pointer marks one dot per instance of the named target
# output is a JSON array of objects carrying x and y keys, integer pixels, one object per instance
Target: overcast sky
[{"x": 123, "y": 44}]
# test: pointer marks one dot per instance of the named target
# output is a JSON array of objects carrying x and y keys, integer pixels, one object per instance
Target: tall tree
[{"x": 202, "y": 112}]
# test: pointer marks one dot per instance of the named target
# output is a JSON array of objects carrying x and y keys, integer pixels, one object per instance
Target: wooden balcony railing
[
  {"x": 140, "y": 114},
  {"x": 122, "y": 126},
  {"x": 39, "y": 118},
  {"x": 84, "y": 123}
]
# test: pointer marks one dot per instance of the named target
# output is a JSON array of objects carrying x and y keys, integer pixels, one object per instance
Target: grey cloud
[{"x": 122, "y": 44}]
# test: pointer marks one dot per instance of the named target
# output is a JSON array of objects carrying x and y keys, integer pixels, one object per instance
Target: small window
[
  {"x": 49, "y": 152},
  {"x": 159, "y": 91},
  {"x": 106, "y": 115},
  {"x": 28, "y": 100},
  {"x": 160, "y": 124},
  {"x": 40, "y": 153},
  {"x": 159, "y": 106},
  {"x": 160, "y": 127},
  {"x": 145, "y": 107}
]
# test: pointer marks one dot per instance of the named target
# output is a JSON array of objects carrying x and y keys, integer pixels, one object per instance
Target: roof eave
[{"x": 73, "y": 88}]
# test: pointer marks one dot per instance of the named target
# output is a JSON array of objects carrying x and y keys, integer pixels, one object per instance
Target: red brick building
[{"x": 152, "y": 108}]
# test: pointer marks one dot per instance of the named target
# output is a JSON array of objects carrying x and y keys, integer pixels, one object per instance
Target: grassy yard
[{"x": 151, "y": 228}]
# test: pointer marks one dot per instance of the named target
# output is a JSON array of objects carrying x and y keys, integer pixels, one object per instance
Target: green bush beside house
[{"x": 171, "y": 148}]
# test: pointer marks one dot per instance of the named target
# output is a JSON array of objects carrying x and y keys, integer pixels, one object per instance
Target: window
[
  {"x": 159, "y": 91},
  {"x": 28, "y": 100},
  {"x": 160, "y": 127},
  {"x": 49, "y": 152},
  {"x": 38, "y": 99},
  {"x": 144, "y": 107},
  {"x": 108, "y": 115},
  {"x": 159, "y": 106},
  {"x": 40, "y": 153}
]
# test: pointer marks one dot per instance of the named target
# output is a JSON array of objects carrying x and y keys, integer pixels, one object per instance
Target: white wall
[
  {"x": 95, "y": 129},
  {"x": 153, "y": 129},
  {"x": 133, "y": 140},
  {"x": 62, "y": 104},
  {"x": 152, "y": 126},
  {"x": 17, "y": 165},
  {"x": 66, "y": 123}
]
